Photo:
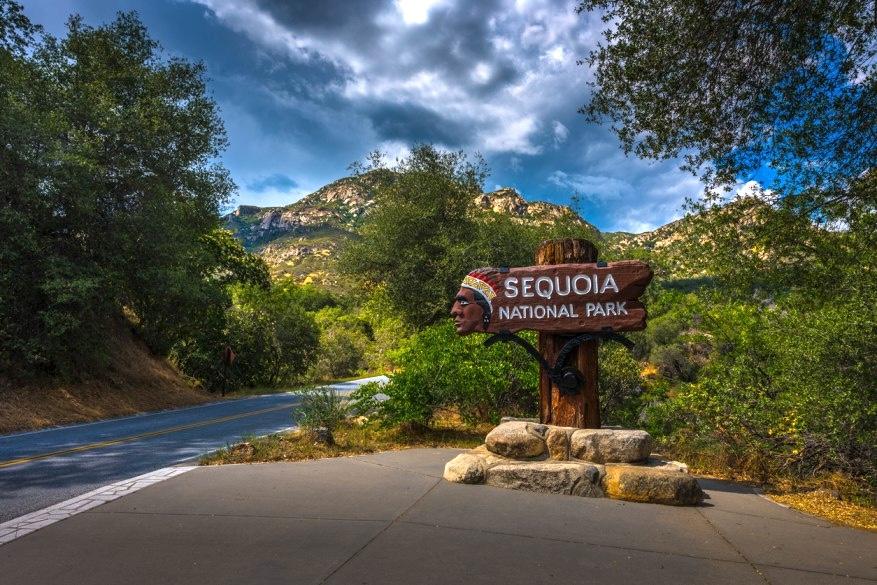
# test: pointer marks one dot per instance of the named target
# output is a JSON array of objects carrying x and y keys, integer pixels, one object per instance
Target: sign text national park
[{"x": 560, "y": 298}]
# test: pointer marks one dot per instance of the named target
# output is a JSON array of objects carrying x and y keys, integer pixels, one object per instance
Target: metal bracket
[{"x": 568, "y": 379}]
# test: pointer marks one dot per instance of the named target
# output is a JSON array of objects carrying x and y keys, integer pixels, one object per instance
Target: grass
[
  {"x": 835, "y": 497},
  {"x": 350, "y": 439},
  {"x": 826, "y": 504}
]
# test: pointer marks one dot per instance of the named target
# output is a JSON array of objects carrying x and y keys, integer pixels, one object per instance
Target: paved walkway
[{"x": 390, "y": 518}]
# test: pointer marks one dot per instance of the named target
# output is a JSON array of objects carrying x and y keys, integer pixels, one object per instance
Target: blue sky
[{"x": 307, "y": 87}]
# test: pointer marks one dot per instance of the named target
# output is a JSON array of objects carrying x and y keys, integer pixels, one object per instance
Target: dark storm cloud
[
  {"x": 277, "y": 181},
  {"x": 352, "y": 19},
  {"x": 412, "y": 123}
]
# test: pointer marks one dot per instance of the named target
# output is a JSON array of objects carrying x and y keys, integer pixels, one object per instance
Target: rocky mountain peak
[
  {"x": 302, "y": 239},
  {"x": 506, "y": 201}
]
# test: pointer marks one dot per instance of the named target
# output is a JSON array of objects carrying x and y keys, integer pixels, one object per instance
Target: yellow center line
[{"x": 90, "y": 446}]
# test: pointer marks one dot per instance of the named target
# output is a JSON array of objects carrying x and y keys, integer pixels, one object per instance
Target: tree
[
  {"x": 775, "y": 363},
  {"x": 424, "y": 234},
  {"x": 736, "y": 86},
  {"x": 276, "y": 339},
  {"x": 110, "y": 192}
]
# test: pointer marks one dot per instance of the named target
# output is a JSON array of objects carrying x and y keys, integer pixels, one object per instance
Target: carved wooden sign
[{"x": 560, "y": 298}]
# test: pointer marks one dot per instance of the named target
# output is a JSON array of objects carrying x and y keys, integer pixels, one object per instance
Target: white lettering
[
  {"x": 609, "y": 283},
  {"x": 589, "y": 309},
  {"x": 575, "y": 284},
  {"x": 511, "y": 287},
  {"x": 610, "y": 309},
  {"x": 516, "y": 312},
  {"x": 599, "y": 311},
  {"x": 620, "y": 307},
  {"x": 561, "y": 292},
  {"x": 537, "y": 313},
  {"x": 527, "y": 285},
  {"x": 503, "y": 312},
  {"x": 564, "y": 311},
  {"x": 552, "y": 311},
  {"x": 544, "y": 291}
]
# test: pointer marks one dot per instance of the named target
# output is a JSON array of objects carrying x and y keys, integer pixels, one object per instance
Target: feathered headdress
[{"x": 484, "y": 281}]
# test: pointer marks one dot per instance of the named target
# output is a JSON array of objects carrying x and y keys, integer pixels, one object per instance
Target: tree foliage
[
  {"x": 441, "y": 371},
  {"x": 426, "y": 232},
  {"x": 734, "y": 86},
  {"x": 110, "y": 193}
]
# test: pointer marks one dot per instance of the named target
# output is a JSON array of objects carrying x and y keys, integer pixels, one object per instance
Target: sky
[{"x": 307, "y": 87}]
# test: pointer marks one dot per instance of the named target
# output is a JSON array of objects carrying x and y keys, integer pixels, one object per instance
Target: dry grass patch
[
  {"x": 836, "y": 497},
  {"x": 826, "y": 504},
  {"x": 350, "y": 439}
]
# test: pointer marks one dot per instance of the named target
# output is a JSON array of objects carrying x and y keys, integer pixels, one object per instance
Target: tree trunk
[{"x": 581, "y": 410}]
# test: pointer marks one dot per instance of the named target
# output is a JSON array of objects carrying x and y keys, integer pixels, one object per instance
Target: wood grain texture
[{"x": 581, "y": 410}]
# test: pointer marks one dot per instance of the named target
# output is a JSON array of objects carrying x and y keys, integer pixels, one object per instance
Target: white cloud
[
  {"x": 415, "y": 11},
  {"x": 556, "y": 54},
  {"x": 395, "y": 150},
  {"x": 754, "y": 190},
  {"x": 481, "y": 73},
  {"x": 561, "y": 132},
  {"x": 512, "y": 135},
  {"x": 595, "y": 188}
]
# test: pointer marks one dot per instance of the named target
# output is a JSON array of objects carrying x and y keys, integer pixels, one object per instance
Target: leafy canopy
[
  {"x": 110, "y": 192},
  {"x": 734, "y": 86}
]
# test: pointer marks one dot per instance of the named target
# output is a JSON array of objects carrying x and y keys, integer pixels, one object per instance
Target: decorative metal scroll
[{"x": 568, "y": 379}]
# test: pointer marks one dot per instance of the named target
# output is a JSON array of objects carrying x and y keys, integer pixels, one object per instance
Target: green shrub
[
  {"x": 321, "y": 407},
  {"x": 619, "y": 386},
  {"x": 787, "y": 390},
  {"x": 439, "y": 370},
  {"x": 344, "y": 341}
]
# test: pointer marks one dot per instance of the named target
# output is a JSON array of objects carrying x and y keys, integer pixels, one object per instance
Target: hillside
[
  {"x": 134, "y": 381},
  {"x": 302, "y": 240}
]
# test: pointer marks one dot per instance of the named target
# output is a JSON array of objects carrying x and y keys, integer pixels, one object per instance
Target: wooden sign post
[
  {"x": 580, "y": 410},
  {"x": 567, "y": 294}
]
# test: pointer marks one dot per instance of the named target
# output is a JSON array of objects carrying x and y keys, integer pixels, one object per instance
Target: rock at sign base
[
  {"x": 647, "y": 484},
  {"x": 465, "y": 468},
  {"x": 557, "y": 441},
  {"x": 517, "y": 440},
  {"x": 610, "y": 446},
  {"x": 574, "y": 479}
]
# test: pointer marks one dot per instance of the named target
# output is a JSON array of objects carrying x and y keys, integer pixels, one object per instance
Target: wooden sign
[{"x": 559, "y": 298}]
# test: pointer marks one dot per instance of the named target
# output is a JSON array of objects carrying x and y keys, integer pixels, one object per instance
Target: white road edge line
[{"x": 18, "y": 527}]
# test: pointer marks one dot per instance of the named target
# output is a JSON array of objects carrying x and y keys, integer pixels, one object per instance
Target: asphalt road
[{"x": 41, "y": 468}]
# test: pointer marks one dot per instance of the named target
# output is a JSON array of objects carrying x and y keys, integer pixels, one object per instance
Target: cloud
[
  {"x": 754, "y": 190},
  {"x": 416, "y": 11},
  {"x": 493, "y": 68},
  {"x": 314, "y": 86},
  {"x": 595, "y": 188},
  {"x": 277, "y": 181},
  {"x": 561, "y": 132}
]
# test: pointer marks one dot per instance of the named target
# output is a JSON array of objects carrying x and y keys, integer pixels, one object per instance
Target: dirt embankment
[{"x": 134, "y": 381}]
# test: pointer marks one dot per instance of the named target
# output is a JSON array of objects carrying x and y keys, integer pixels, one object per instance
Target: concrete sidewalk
[{"x": 390, "y": 518}]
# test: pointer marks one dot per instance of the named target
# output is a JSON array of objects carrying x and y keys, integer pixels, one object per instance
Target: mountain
[{"x": 302, "y": 240}]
